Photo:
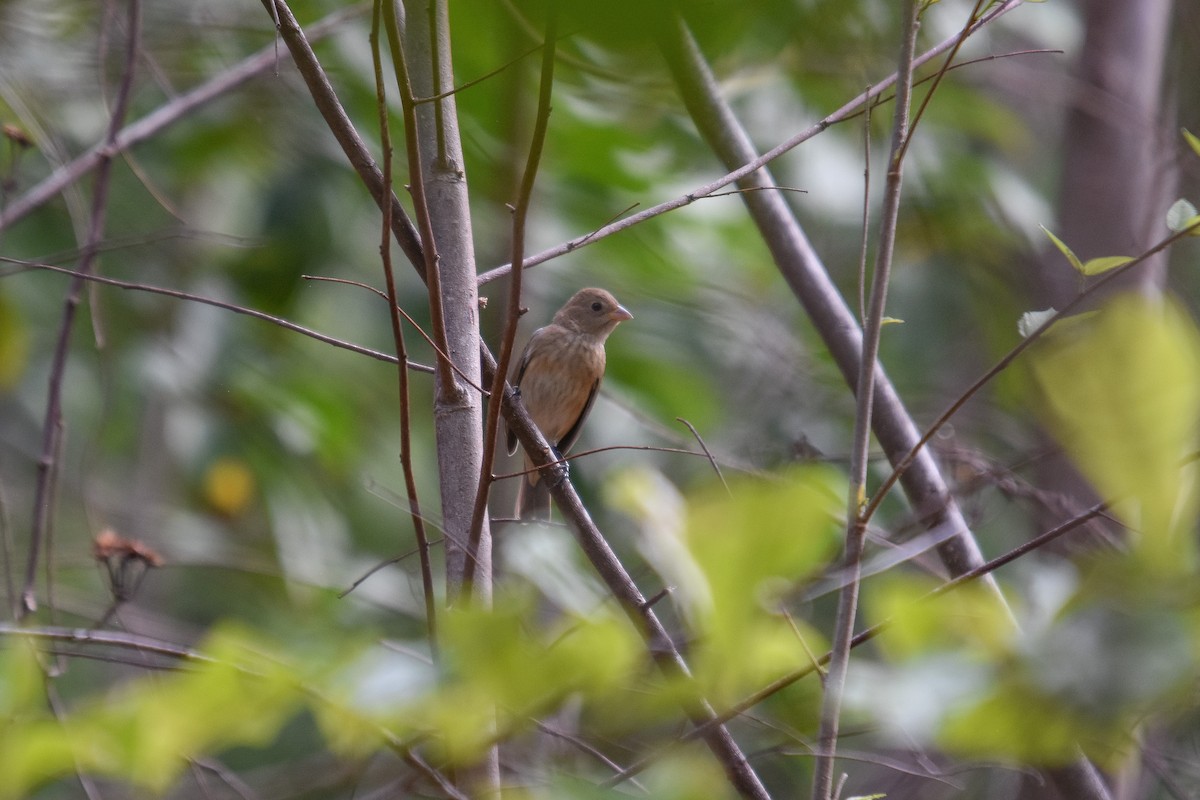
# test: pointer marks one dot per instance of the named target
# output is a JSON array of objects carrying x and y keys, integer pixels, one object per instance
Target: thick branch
[{"x": 621, "y": 585}]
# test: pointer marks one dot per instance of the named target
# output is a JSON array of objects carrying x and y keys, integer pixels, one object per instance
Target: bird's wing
[
  {"x": 512, "y": 436},
  {"x": 568, "y": 439}
]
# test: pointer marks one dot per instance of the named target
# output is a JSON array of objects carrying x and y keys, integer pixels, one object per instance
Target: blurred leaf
[
  {"x": 1062, "y": 248},
  {"x": 1192, "y": 140},
  {"x": 229, "y": 486},
  {"x": 966, "y": 617},
  {"x": 14, "y": 343},
  {"x": 1183, "y": 215},
  {"x": 1093, "y": 266},
  {"x": 145, "y": 732},
  {"x": 21, "y": 692},
  {"x": 33, "y": 747},
  {"x": 1121, "y": 391},
  {"x": 754, "y": 544},
  {"x": 1015, "y": 723},
  {"x": 1097, "y": 266},
  {"x": 498, "y": 666},
  {"x": 33, "y": 752}
]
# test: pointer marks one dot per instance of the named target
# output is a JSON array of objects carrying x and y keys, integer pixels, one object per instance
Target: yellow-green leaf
[
  {"x": 1062, "y": 248},
  {"x": 1098, "y": 266},
  {"x": 1192, "y": 140},
  {"x": 1121, "y": 391}
]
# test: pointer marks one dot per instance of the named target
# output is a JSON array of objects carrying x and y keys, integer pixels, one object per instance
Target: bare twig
[
  {"x": 326, "y": 100},
  {"x": 383, "y": 295},
  {"x": 160, "y": 119},
  {"x": 835, "y": 679},
  {"x": 520, "y": 214},
  {"x": 716, "y": 467},
  {"x": 750, "y": 165},
  {"x": 446, "y": 383},
  {"x": 52, "y": 425},
  {"x": 385, "y": 254},
  {"x": 235, "y": 308}
]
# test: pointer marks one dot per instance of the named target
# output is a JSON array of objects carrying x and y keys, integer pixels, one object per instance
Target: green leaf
[
  {"x": 1121, "y": 391},
  {"x": 502, "y": 669},
  {"x": 1062, "y": 248},
  {"x": 920, "y": 624},
  {"x": 753, "y": 544},
  {"x": 1097, "y": 266},
  {"x": 1192, "y": 140},
  {"x": 1015, "y": 723}
]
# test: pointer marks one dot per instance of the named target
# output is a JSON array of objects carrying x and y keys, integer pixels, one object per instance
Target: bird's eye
[{"x": 596, "y": 306}]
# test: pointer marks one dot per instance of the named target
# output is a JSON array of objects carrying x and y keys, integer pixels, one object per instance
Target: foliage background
[{"x": 262, "y": 464}]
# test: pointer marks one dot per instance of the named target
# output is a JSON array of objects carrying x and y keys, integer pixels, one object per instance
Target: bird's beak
[{"x": 620, "y": 314}]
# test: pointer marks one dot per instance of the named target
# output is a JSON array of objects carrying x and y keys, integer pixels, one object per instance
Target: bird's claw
[{"x": 565, "y": 472}]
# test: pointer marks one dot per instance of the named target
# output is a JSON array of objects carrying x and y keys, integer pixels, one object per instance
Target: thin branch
[
  {"x": 861, "y": 638},
  {"x": 866, "y": 214},
  {"x": 383, "y": 295},
  {"x": 750, "y": 166},
  {"x": 405, "y": 411},
  {"x": 520, "y": 214},
  {"x": 361, "y": 579},
  {"x": 716, "y": 467},
  {"x": 847, "y": 611},
  {"x": 945, "y": 68},
  {"x": 118, "y": 639},
  {"x": 446, "y": 384},
  {"x": 583, "y": 746},
  {"x": 160, "y": 119},
  {"x": 902, "y": 466},
  {"x": 339, "y": 124},
  {"x": 52, "y": 425},
  {"x": 210, "y": 301}
]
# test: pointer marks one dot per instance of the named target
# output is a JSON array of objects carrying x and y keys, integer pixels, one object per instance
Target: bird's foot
[{"x": 562, "y": 462}]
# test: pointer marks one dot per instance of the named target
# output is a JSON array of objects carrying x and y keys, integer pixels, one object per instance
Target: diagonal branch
[
  {"x": 154, "y": 123},
  {"x": 343, "y": 130},
  {"x": 621, "y": 585},
  {"x": 618, "y": 580},
  {"x": 753, "y": 161},
  {"x": 802, "y": 268}
]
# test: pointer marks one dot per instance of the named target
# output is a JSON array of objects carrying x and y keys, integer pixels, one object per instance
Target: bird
[{"x": 557, "y": 379}]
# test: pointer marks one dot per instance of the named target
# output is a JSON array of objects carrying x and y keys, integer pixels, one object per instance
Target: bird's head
[{"x": 592, "y": 311}]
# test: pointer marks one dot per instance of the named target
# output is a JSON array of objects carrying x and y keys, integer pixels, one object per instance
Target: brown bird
[{"x": 558, "y": 377}]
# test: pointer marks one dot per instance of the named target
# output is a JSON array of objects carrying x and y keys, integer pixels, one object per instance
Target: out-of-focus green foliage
[
  {"x": 1122, "y": 392},
  {"x": 263, "y": 465}
]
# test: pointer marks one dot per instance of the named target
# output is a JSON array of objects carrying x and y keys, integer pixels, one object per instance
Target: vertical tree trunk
[
  {"x": 458, "y": 409},
  {"x": 458, "y": 413},
  {"x": 1118, "y": 174}
]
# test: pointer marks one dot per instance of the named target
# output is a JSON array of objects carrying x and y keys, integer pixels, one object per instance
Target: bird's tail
[{"x": 533, "y": 500}]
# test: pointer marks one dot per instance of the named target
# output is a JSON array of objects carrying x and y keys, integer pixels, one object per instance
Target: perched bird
[{"x": 558, "y": 377}]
